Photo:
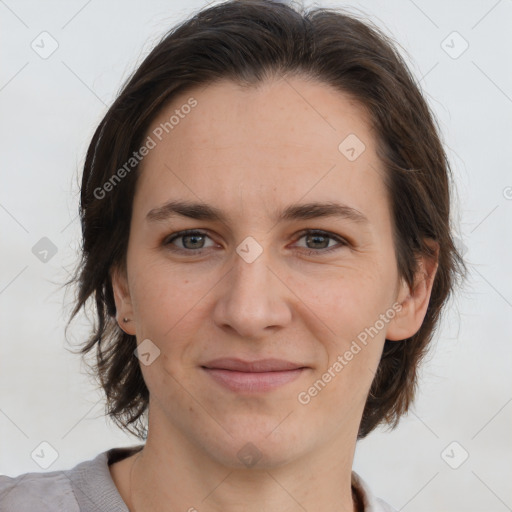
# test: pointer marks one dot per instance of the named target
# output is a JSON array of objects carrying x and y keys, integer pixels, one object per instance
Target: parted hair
[{"x": 248, "y": 42}]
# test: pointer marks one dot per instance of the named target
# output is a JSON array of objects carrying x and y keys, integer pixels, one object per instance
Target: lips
[
  {"x": 252, "y": 376},
  {"x": 262, "y": 365}
]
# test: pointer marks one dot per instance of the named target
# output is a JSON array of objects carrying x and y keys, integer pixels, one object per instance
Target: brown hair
[{"x": 248, "y": 41}]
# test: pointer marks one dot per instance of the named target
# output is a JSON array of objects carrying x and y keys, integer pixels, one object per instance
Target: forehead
[
  {"x": 285, "y": 138},
  {"x": 303, "y": 112}
]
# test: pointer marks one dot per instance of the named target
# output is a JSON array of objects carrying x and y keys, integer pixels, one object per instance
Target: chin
[{"x": 255, "y": 445}]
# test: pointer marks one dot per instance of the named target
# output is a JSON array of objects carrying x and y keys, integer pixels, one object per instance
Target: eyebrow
[{"x": 203, "y": 211}]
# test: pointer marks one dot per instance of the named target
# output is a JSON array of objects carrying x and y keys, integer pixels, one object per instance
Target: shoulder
[
  {"x": 44, "y": 492},
  {"x": 85, "y": 488},
  {"x": 370, "y": 501}
]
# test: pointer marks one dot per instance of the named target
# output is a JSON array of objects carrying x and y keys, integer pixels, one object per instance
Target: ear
[
  {"x": 414, "y": 302},
  {"x": 122, "y": 299}
]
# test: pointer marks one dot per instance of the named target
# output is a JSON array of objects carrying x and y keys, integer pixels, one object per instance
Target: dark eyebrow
[{"x": 203, "y": 211}]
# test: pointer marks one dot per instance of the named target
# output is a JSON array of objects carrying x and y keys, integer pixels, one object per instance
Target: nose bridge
[
  {"x": 251, "y": 268},
  {"x": 252, "y": 298}
]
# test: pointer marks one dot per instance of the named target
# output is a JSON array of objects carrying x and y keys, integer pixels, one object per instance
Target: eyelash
[{"x": 310, "y": 252}]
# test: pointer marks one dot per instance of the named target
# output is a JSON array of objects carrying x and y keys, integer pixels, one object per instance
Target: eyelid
[
  {"x": 179, "y": 234},
  {"x": 342, "y": 242}
]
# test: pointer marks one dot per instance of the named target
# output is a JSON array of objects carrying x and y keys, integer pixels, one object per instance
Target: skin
[{"x": 250, "y": 152}]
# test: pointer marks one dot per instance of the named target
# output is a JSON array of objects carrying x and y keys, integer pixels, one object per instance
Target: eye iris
[
  {"x": 193, "y": 236},
  {"x": 316, "y": 237},
  {"x": 195, "y": 240}
]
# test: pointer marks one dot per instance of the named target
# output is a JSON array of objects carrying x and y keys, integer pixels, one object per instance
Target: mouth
[{"x": 253, "y": 376}]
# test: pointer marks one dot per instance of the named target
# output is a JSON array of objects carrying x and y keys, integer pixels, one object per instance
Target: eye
[
  {"x": 191, "y": 240},
  {"x": 320, "y": 241}
]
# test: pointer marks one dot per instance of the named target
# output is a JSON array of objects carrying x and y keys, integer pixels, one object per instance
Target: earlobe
[
  {"x": 124, "y": 310},
  {"x": 414, "y": 301}
]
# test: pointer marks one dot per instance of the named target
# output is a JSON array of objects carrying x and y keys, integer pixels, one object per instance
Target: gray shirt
[{"x": 88, "y": 487}]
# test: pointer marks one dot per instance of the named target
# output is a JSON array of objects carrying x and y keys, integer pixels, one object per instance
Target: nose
[{"x": 253, "y": 298}]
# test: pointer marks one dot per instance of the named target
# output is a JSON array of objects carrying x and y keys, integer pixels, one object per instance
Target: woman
[{"x": 266, "y": 239}]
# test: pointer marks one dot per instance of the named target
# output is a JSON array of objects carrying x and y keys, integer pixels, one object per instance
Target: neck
[{"x": 171, "y": 474}]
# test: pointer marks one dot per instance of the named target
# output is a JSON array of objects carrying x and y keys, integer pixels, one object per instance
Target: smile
[{"x": 252, "y": 382}]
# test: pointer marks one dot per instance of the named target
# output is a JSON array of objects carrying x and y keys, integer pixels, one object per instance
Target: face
[{"x": 253, "y": 284}]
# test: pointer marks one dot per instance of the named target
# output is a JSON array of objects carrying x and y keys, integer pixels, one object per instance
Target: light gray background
[{"x": 49, "y": 109}]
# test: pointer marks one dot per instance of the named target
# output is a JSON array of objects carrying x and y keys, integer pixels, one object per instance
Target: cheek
[
  {"x": 349, "y": 299},
  {"x": 168, "y": 302},
  {"x": 351, "y": 308},
  {"x": 167, "y": 307},
  {"x": 158, "y": 293}
]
